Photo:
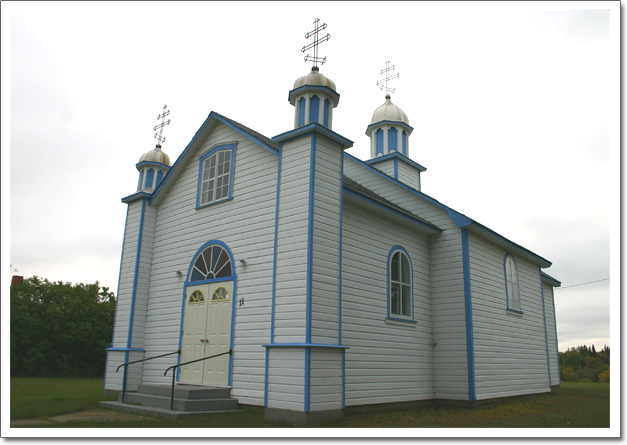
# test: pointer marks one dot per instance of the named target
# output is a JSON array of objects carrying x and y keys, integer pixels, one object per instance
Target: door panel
[
  {"x": 219, "y": 333},
  {"x": 194, "y": 329}
]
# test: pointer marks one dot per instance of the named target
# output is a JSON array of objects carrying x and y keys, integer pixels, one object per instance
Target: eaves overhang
[
  {"x": 407, "y": 127},
  {"x": 401, "y": 157},
  {"x": 295, "y": 92},
  {"x": 316, "y": 128},
  {"x": 136, "y": 196},
  {"x": 550, "y": 280}
]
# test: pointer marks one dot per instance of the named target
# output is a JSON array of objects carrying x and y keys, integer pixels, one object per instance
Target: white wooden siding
[
  {"x": 386, "y": 362},
  {"x": 510, "y": 349},
  {"x": 286, "y": 384},
  {"x": 408, "y": 175},
  {"x": 386, "y": 167},
  {"x": 326, "y": 243},
  {"x": 325, "y": 379},
  {"x": 246, "y": 225},
  {"x": 447, "y": 287},
  {"x": 552, "y": 333},
  {"x": 291, "y": 264}
]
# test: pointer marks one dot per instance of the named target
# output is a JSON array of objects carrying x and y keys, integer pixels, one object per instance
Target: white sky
[{"x": 515, "y": 109}]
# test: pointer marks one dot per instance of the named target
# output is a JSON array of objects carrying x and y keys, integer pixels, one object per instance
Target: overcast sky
[{"x": 515, "y": 109}]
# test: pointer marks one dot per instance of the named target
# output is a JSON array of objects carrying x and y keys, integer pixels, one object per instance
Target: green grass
[
  {"x": 573, "y": 405},
  {"x": 33, "y": 397}
]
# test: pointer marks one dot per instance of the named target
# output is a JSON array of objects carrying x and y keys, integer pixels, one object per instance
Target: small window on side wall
[
  {"x": 511, "y": 284},
  {"x": 400, "y": 303},
  {"x": 216, "y": 175}
]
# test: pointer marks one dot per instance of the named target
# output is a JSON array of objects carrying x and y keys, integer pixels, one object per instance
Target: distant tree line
[
  {"x": 59, "y": 329},
  {"x": 584, "y": 364}
]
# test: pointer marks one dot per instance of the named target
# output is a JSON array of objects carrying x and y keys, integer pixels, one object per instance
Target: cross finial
[
  {"x": 315, "y": 59},
  {"x": 386, "y": 71},
  {"x": 159, "y": 138}
]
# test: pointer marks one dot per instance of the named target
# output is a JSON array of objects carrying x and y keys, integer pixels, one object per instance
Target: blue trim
[
  {"x": 546, "y": 332},
  {"x": 470, "y": 348},
  {"x": 457, "y": 217},
  {"x": 302, "y": 102},
  {"x": 393, "y": 250},
  {"x": 515, "y": 311},
  {"x": 135, "y": 197},
  {"x": 401, "y": 319},
  {"x": 396, "y": 155},
  {"x": 517, "y": 283},
  {"x": 552, "y": 281},
  {"x": 304, "y": 345},
  {"x": 141, "y": 180},
  {"x": 344, "y": 379},
  {"x": 312, "y": 178},
  {"x": 151, "y": 163},
  {"x": 395, "y": 168},
  {"x": 276, "y": 238},
  {"x": 392, "y": 140},
  {"x": 159, "y": 178},
  {"x": 391, "y": 210},
  {"x": 136, "y": 275},
  {"x": 326, "y": 112},
  {"x": 379, "y": 142},
  {"x": 201, "y": 162},
  {"x": 150, "y": 177},
  {"x": 404, "y": 142},
  {"x": 314, "y": 109},
  {"x": 126, "y": 349},
  {"x": 307, "y": 379},
  {"x": 317, "y": 128},
  {"x": 295, "y": 92},
  {"x": 265, "y": 385},
  {"x": 233, "y": 278},
  {"x": 403, "y": 125}
]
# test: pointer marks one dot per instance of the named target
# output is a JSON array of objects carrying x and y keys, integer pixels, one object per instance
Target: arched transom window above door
[{"x": 213, "y": 262}]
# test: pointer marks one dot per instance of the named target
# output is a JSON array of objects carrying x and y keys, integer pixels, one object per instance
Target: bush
[
  {"x": 605, "y": 376},
  {"x": 585, "y": 381},
  {"x": 60, "y": 329}
]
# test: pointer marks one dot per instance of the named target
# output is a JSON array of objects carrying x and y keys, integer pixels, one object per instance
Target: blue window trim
[
  {"x": 327, "y": 106},
  {"x": 141, "y": 180},
  {"x": 150, "y": 177},
  {"x": 314, "y": 109},
  {"x": 392, "y": 140},
  {"x": 201, "y": 161},
  {"x": 518, "y": 311},
  {"x": 301, "y": 111},
  {"x": 233, "y": 278},
  {"x": 404, "y": 142},
  {"x": 159, "y": 178},
  {"x": 379, "y": 142},
  {"x": 390, "y": 316}
]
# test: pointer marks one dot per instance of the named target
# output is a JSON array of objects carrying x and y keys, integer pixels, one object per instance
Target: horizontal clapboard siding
[
  {"x": 326, "y": 243},
  {"x": 325, "y": 379},
  {"x": 291, "y": 261},
  {"x": 450, "y": 364},
  {"x": 386, "y": 167},
  {"x": 386, "y": 362},
  {"x": 552, "y": 334},
  {"x": 286, "y": 383},
  {"x": 510, "y": 349},
  {"x": 246, "y": 225},
  {"x": 408, "y": 175}
]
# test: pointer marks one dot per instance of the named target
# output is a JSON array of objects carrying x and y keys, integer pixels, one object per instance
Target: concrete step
[
  {"x": 155, "y": 412},
  {"x": 182, "y": 404},
  {"x": 185, "y": 391}
]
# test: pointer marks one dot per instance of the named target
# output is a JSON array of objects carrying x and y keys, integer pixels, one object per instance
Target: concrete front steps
[{"x": 189, "y": 400}]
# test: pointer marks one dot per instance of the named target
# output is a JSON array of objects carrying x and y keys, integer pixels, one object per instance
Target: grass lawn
[{"x": 573, "y": 405}]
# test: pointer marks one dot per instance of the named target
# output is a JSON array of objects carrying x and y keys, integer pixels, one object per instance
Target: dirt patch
[{"x": 97, "y": 415}]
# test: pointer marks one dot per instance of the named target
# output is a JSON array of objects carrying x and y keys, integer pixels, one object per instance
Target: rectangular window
[{"x": 215, "y": 176}]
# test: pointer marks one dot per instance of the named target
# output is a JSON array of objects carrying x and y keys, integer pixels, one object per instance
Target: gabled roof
[
  {"x": 359, "y": 189},
  {"x": 549, "y": 279},
  {"x": 209, "y": 123}
]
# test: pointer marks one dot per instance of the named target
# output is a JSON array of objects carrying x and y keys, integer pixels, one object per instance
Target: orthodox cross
[
  {"x": 317, "y": 41},
  {"x": 387, "y": 71},
  {"x": 163, "y": 123}
]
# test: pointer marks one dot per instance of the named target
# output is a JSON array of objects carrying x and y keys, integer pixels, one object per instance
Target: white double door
[{"x": 207, "y": 332}]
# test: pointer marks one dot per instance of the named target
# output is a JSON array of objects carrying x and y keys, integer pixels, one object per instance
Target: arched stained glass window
[
  {"x": 511, "y": 287},
  {"x": 197, "y": 297},
  {"x": 400, "y": 285},
  {"x": 301, "y": 112},
  {"x": 379, "y": 142},
  {"x": 392, "y": 140},
  {"x": 314, "y": 109},
  {"x": 212, "y": 263},
  {"x": 221, "y": 294}
]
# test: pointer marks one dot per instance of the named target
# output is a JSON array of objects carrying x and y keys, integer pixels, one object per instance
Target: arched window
[
  {"x": 327, "y": 107},
  {"x": 404, "y": 143},
  {"x": 301, "y": 112},
  {"x": 392, "y": 140},
  {"x": 314, "y": 109},
  {"x": 379, "y": 142},
  {"x": 400, "y": 284},
  {"x": 213, "y": 262},
  {"x": 511, "y": 283},
  {"x": 159, "y": 178},
  {"x": 149, "y": 177},
  {"x": 141, "y": 179}
]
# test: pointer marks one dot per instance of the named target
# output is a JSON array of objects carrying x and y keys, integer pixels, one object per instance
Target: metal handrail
[
  {"x": 137, "y": 361},
  {"x": 230, "y": 351}
]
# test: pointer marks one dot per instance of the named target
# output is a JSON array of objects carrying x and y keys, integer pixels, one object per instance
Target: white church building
[{"x": 336, "y": 283}]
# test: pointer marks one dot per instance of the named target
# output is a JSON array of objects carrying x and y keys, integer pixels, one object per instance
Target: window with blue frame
[
  {"x": 400, "y": 303},
  {"x": 213, "y": 262},
  {"x": 215, "y": 181},
  {"x": 512, "y": 288}
]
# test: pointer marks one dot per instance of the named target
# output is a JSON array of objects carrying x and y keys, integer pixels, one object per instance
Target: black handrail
[
  {"x": 137, "y": 361},
  {"x": 230, "y": 351}
]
